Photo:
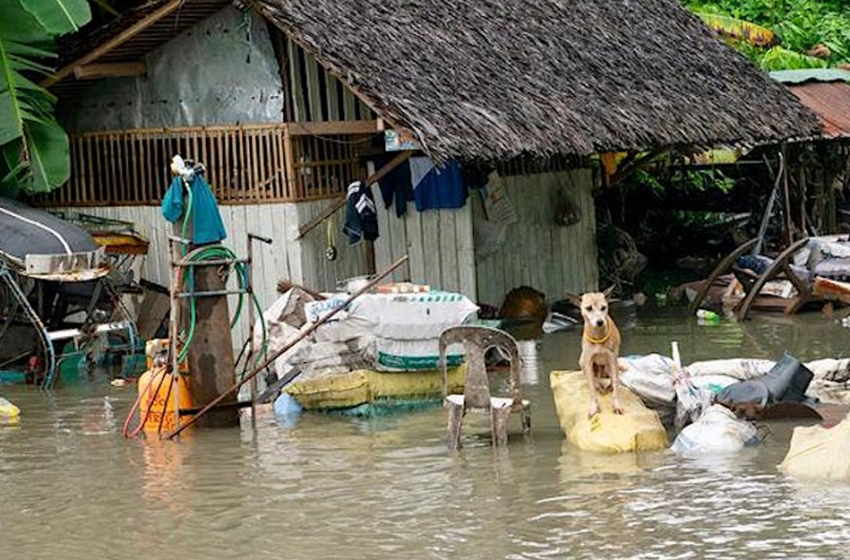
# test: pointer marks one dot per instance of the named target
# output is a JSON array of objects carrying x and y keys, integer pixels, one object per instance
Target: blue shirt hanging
[
  {"x": 207, "y": 226},
  {"x": 441, "y": 187}
]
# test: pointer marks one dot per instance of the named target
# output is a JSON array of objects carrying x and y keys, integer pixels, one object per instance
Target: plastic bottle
[{"x": 707, "y": 315}]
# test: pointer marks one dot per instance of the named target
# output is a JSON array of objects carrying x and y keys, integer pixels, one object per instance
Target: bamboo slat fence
[{"x": 246, "y": 164}]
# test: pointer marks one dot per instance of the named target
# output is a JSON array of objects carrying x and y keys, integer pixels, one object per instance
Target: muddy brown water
[{"x": 332, "y": 487}]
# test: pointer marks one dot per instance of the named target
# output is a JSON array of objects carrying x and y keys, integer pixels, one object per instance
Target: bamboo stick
[
  {"x": 216, "y": 174},
  {"x": 280, "y": 172},
  {"x": 255, "y": 167},
  {"x": 231, "y": 179},
  {"x": 125, "y": 171},
  {"x": 304, "y": 334}
]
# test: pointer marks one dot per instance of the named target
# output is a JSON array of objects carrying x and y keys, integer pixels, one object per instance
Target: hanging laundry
[
  {"x": 395, "y": 185},
  {"x": 361, "y": 217},
  {"x": 207, "y": 226},
  {"x": 436, "y": 186}
]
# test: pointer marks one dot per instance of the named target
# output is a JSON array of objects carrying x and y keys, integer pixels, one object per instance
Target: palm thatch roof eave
[{"x": 499, "y": 79}]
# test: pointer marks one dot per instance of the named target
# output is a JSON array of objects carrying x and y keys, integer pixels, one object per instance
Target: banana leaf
[
  {"x": 58, "y": 17},
  {"x": 33, "y": 147},
  {"x": 739, "y": 30}
]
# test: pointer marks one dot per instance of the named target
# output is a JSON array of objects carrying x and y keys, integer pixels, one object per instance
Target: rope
[{"x": 125, "y": 430}]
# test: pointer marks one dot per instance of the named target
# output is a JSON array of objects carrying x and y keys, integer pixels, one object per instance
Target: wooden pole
[
  {"x": 270, "y": 360},
  {"x": 789, "y": 231},
  {"x": 374, "y": 178}
]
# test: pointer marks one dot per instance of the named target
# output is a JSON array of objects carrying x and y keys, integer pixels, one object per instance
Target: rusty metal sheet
[
  {"x": 831, "y": 102},
  {"x": 121, "y": 243}
]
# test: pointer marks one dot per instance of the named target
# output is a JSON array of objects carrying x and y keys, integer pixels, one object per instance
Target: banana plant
[{"x": 33, "y": 147}]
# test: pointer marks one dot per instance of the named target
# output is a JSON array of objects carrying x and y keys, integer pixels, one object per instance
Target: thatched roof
[{"x": 497, "y": 79}]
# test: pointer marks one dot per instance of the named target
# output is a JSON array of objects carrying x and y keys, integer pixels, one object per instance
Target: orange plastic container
[
  {"x": 157, "y": 346},
  {"x": 161, "y": 394}
]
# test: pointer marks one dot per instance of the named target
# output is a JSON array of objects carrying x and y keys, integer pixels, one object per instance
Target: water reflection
[
  {"x": 387, "y": 487},
  {"x": 529, "y": 354}
]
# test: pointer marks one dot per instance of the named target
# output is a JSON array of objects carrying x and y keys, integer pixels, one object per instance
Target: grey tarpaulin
[
  {"x": 30, "y": 231},
  {"x": 222, "y": 71}
]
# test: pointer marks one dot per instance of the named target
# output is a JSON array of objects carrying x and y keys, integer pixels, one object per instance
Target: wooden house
[{"x": 286, "y": 102}]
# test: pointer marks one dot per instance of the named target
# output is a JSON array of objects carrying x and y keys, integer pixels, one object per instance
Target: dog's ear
[
  {"x": 608, "y": 291},
  {"x": 575, "y": 299}
]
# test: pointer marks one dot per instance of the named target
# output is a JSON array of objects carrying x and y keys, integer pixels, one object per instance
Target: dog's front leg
[
  {"x": 615, "y": 385},
  {"x": 587, "y": 367}
]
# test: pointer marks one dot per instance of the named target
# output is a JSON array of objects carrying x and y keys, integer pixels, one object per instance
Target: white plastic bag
[
  {"x": 691, "y": 401},
  {"x": 718, "y": 430}
]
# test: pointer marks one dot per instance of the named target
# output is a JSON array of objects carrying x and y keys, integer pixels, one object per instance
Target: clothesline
[{"x": 339, "y": 203}]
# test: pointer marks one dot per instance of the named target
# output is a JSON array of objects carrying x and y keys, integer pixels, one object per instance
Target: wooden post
[
  {"x": 226, "y": 394},
  {"x": 210, "y": 358}
]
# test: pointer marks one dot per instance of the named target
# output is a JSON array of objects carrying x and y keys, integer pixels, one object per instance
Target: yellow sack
[
  {"x": 9, "y": 412},
  {"x": 347, "y": 390},
  {"x": 818, "y": 452},
  {"x": 637, "y": 429}
]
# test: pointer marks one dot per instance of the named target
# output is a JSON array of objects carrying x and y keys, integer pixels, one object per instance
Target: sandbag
[
  {"x": 638, "y": 429},
  {"x": 718, "y": 430},
  {"x": 8, "y": 411},
  {"x": 818, "y": 452}
]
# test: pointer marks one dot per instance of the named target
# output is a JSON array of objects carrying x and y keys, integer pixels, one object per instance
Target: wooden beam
[
  {"x": 333, "y": 127},
  {"x": 340, "y": 202},
  {"x": 296, "y": 93},
  {"x": 110, "y": 70},
  {"x": 116, "y": 41},
  {"x": 332, "y": 69}
]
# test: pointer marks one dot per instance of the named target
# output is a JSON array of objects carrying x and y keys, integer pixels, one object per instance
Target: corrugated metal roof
[
  {"x": 127, "y": 39},
  {"x": 811, "y": 75},
  {"x": 831, "y": 102}
]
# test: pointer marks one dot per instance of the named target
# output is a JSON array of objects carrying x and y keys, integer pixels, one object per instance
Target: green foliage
[
  {"x": 686, "y": 179},
  {"x": 801, "y": 26},
  {"x": 33, "y": 147},
  {"x": 779, "y": 58},
  {"x": 701, "y": 180}
]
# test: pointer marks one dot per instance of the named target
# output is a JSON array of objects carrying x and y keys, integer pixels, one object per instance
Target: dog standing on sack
[{"x": 600, "y": 348}]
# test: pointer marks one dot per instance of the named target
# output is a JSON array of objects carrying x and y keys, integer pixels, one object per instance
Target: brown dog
[{"x": 600, "y": 347}]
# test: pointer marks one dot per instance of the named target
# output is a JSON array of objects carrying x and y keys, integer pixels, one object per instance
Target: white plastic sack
[
  {"x": 831, "y": 369},
  {"x": 718, "y": 430},
  {"x": 407, "y": 327},
  {"x": 650, "y": 377},
  {"x": 691, "y": 401},
  {"x": 740, "y": 369},
  {"x": 713, "y": 383}
]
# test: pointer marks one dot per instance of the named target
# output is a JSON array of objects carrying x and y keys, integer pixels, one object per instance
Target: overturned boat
[{"x": 54, "y": 279}]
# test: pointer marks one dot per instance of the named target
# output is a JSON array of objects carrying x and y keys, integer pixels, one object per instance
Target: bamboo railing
[{"x": 246, "y": 164}]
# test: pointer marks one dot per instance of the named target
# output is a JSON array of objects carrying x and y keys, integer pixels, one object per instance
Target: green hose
[{"x": 212, "y": 253}]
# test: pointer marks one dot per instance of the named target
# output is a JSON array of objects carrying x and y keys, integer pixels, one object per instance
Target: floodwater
[{"x": 331, "y": 487}]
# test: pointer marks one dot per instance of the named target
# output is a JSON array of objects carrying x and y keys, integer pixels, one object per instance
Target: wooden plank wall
[
  {"x": 318, "y": 272},
  {"x": 438, "y": 242},
  {"x": 315, "y": 95},
  {"x": 282, "y": 259},
  {"x": 537, "y": 252}
]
